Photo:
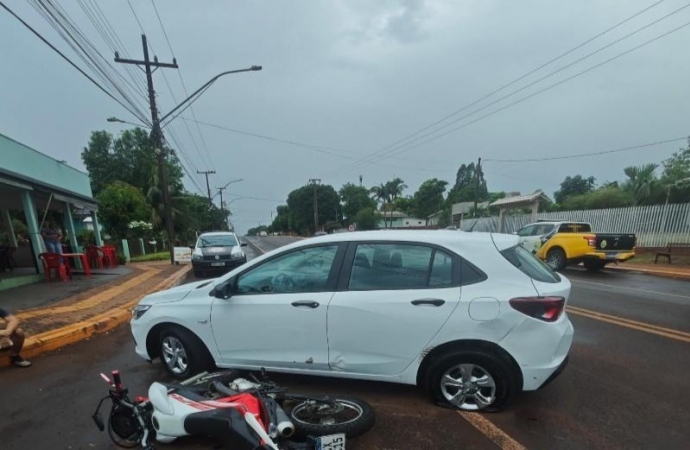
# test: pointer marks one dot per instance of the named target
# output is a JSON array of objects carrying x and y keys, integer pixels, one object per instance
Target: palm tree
[
  {"x": 381, "y": 194},
  {"x": 395, "y": 189},
  {"x": 640, "y": 181}
]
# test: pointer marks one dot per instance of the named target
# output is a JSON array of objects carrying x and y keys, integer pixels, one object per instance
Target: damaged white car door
[{"x": 392, "y": 300}]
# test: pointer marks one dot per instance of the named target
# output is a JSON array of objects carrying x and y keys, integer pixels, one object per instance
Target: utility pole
[
  {"x": 208, "y": 187},
  {"x": 360, "y": 181},
  {"x": 477, "y": 175},
  {"x": 315, "y": 181},
  {"x": 222, "y": 205},
  {"x": 156, "y": 133}
]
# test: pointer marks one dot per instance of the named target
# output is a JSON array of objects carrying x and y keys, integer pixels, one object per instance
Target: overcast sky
[{"x": 353, "y": 77}]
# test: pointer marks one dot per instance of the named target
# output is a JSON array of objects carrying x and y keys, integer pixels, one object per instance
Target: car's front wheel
[
  {"x": 183, "y": 354},
  {"x": 471, "y": 380},
  {"x": 556, "y": 259}
]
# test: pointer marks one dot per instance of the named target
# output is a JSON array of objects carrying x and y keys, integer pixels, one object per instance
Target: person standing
[{"x": 15, "y": 335}]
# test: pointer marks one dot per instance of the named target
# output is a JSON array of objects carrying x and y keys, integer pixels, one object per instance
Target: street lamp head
[
  {"x": 257, "y": 67},
  {"x": 114, "y": 119}
]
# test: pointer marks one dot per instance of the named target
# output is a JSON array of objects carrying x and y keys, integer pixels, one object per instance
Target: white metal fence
[{"x": 655, "y": 226}]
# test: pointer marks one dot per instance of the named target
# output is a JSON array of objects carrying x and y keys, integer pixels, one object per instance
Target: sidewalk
[
  {"x": 660, "y": 270},
  {"x": 57, "y": 314}
]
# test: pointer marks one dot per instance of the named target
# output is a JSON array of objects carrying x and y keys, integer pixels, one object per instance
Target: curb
[
  {"x": 102, "y": 323},
  {"x": 255, "y": 247},
  {"x": 654, "y": 273}
]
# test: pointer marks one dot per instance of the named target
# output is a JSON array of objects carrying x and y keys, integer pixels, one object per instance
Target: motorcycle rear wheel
[{"x": 340, "y": 414}]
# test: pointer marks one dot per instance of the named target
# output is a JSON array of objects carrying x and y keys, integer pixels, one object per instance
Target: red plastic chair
[
  {"x": 110, "y": 255},
  {"x": 53, "y": 261},
  {"x": 96, "y": 256}
]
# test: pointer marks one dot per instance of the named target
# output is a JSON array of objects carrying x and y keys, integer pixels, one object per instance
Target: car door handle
[
  {"x": 428, "y": 301},
  {"x": 306, "y": 303}
]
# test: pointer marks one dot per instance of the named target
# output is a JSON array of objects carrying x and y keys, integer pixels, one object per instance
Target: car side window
[
  {"x": 399, "y": 266},
  {"x": 527, "y": 231},
  {"x": 299, "y": 271}
]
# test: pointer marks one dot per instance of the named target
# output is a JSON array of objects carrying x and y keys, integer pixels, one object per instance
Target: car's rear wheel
[
  {"x": 555, "y": 259},
  {"x": 471, "y": 380},
  {"x": 183, "y": 354}
]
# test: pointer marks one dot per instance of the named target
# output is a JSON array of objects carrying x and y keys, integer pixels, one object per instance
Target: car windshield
[
  {"x": 221, "y": 240},
  {"x": 530, "y": 265}
]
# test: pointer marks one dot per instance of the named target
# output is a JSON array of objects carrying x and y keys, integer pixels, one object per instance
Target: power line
[
  {"x": 184, "y": 87},
  {"x": 383, "y": 150},
  {"x": 582, "y": 155},
  {"x": 544, "y": 89},
  {"x": 320, "y": 149},
  {"x": 52, "y": 47},
  {"x": 62, "y": 23}
]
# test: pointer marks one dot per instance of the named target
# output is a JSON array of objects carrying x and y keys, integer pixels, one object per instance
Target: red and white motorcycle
[{"x": 240, "y": 413}]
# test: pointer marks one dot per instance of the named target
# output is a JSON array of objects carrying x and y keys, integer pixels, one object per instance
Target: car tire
[
  {"x": 183, "y": 354},
  {"x": 593, "y": 265},
  {"x": 556, "y": 259},
  {"x": 471, "y": 380}
]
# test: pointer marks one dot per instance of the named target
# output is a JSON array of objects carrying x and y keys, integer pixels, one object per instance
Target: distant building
[{"x": 399, "y": 220}]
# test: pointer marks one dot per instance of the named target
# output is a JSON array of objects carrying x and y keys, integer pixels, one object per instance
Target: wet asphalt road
[{"x": 626, "y": 385}]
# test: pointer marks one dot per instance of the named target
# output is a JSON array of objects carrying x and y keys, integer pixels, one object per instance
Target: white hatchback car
[{"x": 471, "y": 317}]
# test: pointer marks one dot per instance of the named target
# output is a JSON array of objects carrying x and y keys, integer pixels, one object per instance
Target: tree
[
  {"x": 300, "y": 203},
  {"x": 445, "y": 218},
  {"x": 354, "y": 199},
  {"x": 429, "y": 198},
  {"x": 641, "y": 180},
  {"x": 119, "y": 204},
  {"x": 381, "y": 194},
  {"x": 675, "y": 178},
  {"x": 395, "y": 188},
  {"x": 602, "y": 198},
  {"x": 573, "y": 186},
  {"x": 404, "y": 205},
  {"x": 465, "y": 187},
  {"x": 366, "y": 219},
  {"x": 281, "y": 222}
]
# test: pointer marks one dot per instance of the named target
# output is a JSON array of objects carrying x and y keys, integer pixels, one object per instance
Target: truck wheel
[
  {"x": 555, "y": 259},
  {"x": 593, "y": 265}
]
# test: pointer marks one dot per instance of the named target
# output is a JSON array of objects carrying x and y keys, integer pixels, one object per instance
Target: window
[
  {"x": 575, "y": 228},
  {"x": 527, "y": 231},
  {"x": 543, "y": 230},
  {"x": 400, "y": 266},
  {"x": 441, "y": 270},
  {"x": 469, "y": 274},
  {"x": 219, "y": 240},
  {"x": 530, "y": 265},
  {"x": 305, "y": 270}
]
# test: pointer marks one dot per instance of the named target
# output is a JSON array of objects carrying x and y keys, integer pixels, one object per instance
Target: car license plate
[
  {"x": 331, "y": 442},
  {"x": 218, "y": 264}
]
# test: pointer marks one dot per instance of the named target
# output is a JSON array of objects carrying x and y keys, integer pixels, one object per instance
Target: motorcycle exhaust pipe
[{"x": 285, "y": 425}]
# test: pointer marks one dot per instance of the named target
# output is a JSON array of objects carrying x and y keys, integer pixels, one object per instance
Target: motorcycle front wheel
[
  {"x": 347, "y": 415},
  {"x": 123, "y": 427}
]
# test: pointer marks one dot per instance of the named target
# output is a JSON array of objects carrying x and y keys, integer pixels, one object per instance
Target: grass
[
  {"x": 160, "y": 256},
  {"x": 648, "y": 258}
]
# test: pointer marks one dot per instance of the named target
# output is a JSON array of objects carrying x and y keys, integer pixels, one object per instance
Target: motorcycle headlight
[{"x": 139, "y": 311}]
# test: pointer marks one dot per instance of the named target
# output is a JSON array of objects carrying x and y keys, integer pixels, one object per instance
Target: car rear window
[
  {"x": 575, "y": 228},
  {"x": 530, "y": 265}
]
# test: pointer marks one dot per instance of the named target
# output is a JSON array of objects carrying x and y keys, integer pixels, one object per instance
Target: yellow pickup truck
[{"x": 560, "y": 244}]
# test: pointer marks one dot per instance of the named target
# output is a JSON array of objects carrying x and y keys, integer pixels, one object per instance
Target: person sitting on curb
[{"x": 15, "y": 335}]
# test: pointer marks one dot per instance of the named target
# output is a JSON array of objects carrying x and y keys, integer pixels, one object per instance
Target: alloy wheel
[{"x": 468, "y": 387}]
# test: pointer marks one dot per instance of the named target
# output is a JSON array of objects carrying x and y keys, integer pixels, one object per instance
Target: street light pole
[{"x": 315, "y": 181}]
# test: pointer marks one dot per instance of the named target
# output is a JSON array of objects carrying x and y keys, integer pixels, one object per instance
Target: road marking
[
  {"x": 632, "y": 324},
  {"x": 633, "y": 289},
  {"x": 488, "y": 429}
]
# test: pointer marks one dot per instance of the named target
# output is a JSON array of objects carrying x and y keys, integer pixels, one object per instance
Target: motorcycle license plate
[
  {"x": 218, "y": 264},
  {"x": 331, "y": 442}
]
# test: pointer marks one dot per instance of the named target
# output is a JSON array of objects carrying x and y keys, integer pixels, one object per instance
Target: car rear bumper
[
  {"x": 540, "y": 349},
  {"x": 611, "y": 256}
]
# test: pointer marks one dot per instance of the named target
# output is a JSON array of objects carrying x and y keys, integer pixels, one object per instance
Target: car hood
[
  {"x": 211, "y": 251},
  {"x": 177, "y": 293}
]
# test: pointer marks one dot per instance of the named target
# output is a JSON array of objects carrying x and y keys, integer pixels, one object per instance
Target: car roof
[
  {"x": 449, "y": 238},
  {"x": 217, "y": 233}
]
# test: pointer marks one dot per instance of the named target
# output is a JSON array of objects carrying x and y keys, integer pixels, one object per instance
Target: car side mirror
[{"x": 224, "y": 290}]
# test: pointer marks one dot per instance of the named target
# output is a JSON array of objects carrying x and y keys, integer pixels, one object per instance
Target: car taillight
[
  {"x": 591, "y": 240},
  {"x": 548, "y": 309}
]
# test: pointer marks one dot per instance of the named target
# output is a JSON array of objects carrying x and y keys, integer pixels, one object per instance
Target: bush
[{"x": 121, "y": 260}]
